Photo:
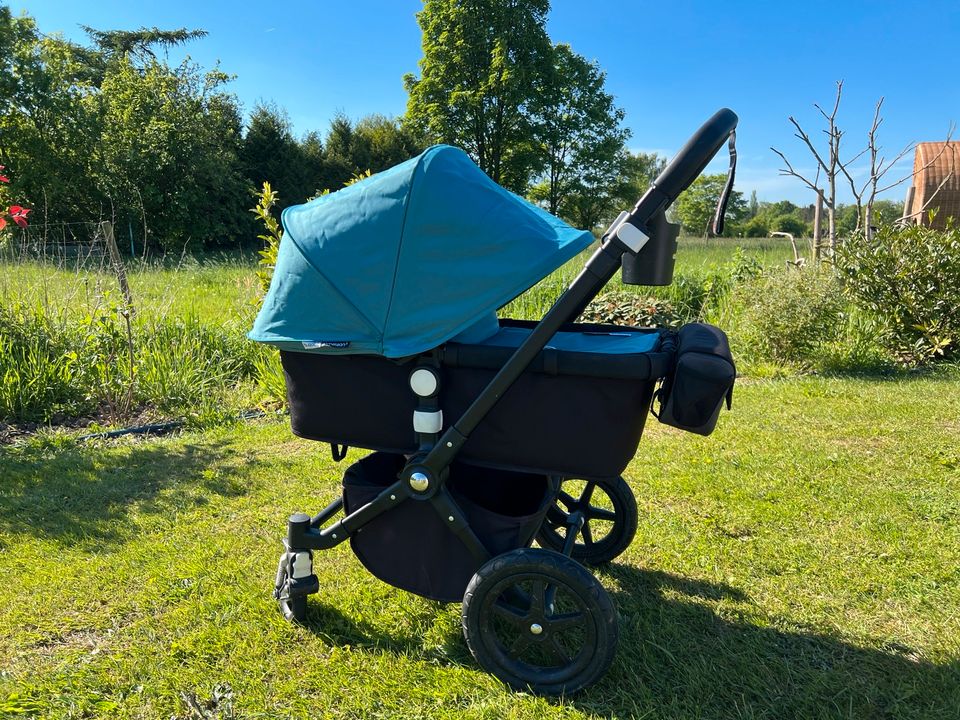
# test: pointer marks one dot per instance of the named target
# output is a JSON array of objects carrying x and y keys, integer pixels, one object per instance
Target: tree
[
  {"x": 578, "y": 129},
  {"x": 827, "y": 162},
  {"x": 875, "y": 183},
  {"x": 168, "y": 151},
  {"x": 110, "y": 131},
  {"x": 832, "y": 167},
  {"x": 270, "y": 153},
  {"x": 47, "y": 135},
  {"x": 383, "y": 142},
  {"x": 754, "y": 206},
  {"x": 637, "y": 173},
  {"x": 481, "y": 66},
  {"x": 139, "y": 43},
  {"x": 697, "y": 204}
]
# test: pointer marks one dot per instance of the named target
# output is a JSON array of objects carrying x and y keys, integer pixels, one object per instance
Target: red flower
[
  {"x": 3, "y": 223},
  {"x": 19, "y": 215},
  {"x": 4, "y": 178}
]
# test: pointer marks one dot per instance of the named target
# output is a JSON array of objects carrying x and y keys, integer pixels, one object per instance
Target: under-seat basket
[{"x": 411, "y": 547}]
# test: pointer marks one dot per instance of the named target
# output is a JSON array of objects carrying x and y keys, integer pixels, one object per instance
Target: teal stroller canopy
[{"x": 407, "y": 259}]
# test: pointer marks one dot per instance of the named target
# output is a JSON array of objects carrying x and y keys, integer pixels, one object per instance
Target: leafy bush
[
  {"x": 693, "y": 294},
  {"x": 627, "y": 308},
  {"x": 908, "y": 279},
  {"x": 788, "y": 316}
]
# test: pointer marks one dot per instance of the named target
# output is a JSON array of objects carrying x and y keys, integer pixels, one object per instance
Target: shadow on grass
[
  {"x": 84, "y": 494},
  {"x": 691, "y": 648},
  {"x": 328, "y": 622}
]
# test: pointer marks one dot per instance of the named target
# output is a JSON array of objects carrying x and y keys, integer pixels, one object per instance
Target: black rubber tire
[
  {"x": 294, "y": 609},
  {"x": 577, "y": 630},
  {"x": 620, "y": 523}
]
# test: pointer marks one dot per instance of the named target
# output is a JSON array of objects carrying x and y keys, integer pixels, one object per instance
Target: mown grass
[{"x": 802, "y": 562}]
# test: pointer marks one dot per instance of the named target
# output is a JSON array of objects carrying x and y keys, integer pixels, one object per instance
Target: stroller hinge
[{"x": 424, "y": 381}]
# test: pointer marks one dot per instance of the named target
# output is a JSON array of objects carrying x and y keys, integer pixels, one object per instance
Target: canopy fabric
[{"x": 407, "y": 259}]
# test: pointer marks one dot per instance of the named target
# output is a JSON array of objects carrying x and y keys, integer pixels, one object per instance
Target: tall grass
[
  {"x": 84, "y": 360},
  {"x": 65, "y": 351}
]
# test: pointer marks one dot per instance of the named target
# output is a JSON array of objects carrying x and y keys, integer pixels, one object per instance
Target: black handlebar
[{"x": 693, "y": 157}]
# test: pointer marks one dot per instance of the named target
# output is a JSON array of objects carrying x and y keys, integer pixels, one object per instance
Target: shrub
[
  {"x": 908, "y": 279},
  {"x": 694, "y": 294},
  {"x": 627, "y": 308},
  {"x": 788, "y": 316}
]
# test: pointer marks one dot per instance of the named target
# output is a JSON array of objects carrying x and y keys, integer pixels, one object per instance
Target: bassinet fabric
[{"x": 407, "y": 259}]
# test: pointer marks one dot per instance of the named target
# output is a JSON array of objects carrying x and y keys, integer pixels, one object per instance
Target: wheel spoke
[
  {"x": 587, "y": 493},
  {"x": 567, "y": 500},
  {"x": 510, "y": 614},
  {"x": 557, "y": 650},
  {"x": 549, "y": 599},
  {"x": 595, "y": 513},
  {"x": 537, "y": 597},
  {"x": 587, "y": 533},
  {"x": 523, "y": 641},
  {"x": 559, "y": 623}
]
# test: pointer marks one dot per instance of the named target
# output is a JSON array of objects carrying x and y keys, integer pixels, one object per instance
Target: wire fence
[{"x": 76, "y": 246}]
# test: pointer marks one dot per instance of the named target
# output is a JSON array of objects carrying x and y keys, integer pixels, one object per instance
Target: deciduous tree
[
  {"x": 697, "y": 204},
  {"x": 578, "y": 129},
  {"x": 481, "y": 64}
]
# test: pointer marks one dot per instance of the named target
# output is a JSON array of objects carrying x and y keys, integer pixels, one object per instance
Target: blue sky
[{"x": 669, "y": 64}]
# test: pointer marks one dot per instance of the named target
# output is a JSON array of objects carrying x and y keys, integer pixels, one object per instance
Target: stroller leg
[{"x": 295, "y": 579}]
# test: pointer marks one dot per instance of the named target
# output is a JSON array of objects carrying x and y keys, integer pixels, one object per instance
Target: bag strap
[{"x": 719, "y": 216}]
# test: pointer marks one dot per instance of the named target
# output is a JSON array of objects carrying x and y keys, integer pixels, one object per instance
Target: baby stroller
[{"x": 486, "y": 434}]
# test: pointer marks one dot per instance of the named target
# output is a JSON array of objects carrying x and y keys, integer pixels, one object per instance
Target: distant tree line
[
  {"x": 109, "y": 129},
  {"x": 695, "y": 208}
]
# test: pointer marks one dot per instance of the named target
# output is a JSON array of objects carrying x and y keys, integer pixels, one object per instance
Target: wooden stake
[
  {"x": 817, "y": 226},
  {"x": 106, "y": 227}
]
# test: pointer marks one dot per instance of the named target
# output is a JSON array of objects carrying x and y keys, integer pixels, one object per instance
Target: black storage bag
[
  {"x": 411, "y": 547},
  {"x": 691, "y": 398}
]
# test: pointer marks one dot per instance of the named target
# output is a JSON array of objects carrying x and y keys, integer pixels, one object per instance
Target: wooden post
[
  {"x": 106, "y": 227},
  {"x": 817, "y": 226},
  {"x": 908, "y": 204}
]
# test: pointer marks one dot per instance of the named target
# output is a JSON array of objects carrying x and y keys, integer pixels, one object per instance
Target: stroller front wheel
[
  {"x": 538, "y": 620},
  {"x": 609, "y": 510}
]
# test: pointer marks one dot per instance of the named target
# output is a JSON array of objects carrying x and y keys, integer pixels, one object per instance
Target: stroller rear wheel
[
  {"x": 540, "y": 621},
  {"x": 609, "y": 512}
]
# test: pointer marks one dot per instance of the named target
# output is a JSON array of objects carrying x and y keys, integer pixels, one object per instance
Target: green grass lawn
[{"x": 802, "y": 562}]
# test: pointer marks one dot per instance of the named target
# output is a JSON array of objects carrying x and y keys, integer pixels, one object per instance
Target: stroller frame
[{"x": 425, "y": 474}]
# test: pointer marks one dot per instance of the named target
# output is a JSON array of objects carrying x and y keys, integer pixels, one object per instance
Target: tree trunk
[
  {"x": 832, "y": 214},
  {"x": 817, "y": 226}
]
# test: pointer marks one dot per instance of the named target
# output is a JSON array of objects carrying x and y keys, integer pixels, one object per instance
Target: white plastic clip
[
  {"x": 302, "y": 565},
  {"x": 632, "y": 237},
  {"x": 427, "y": 421}
]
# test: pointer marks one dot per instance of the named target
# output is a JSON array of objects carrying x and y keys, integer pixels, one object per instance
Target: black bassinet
[{"x": 578, "y": 410}]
